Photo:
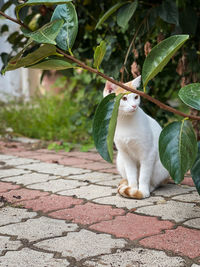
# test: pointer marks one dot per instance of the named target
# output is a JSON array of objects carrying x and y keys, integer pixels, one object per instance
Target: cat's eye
[
  {"x": 124, "y": 98},
  {"x": 136, "y": 97}
]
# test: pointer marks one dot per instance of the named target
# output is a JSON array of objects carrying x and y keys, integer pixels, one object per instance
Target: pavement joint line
[{"x": 126, "y": 211}]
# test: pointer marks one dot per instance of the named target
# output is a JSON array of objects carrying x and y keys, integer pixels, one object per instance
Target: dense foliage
[
  {"x": 50, "y": 47},
  {"x": 147, "y": 23},
  {"x": 65, "y": 116}
]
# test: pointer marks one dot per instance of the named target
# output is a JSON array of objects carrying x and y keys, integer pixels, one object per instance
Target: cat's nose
[{"x": 133, "y": 106}]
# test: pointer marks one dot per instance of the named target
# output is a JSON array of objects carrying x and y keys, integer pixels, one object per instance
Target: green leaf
[
  {"x": 45, "y": 34},
  {"x": 104, "y": 125},
  {"x": 53, "y": 64},
  {"x": 40, "y": 2},
  {"x": 178, "y": 148},
  {"x": 195, "y": 170},
  {"x": 190, "y": 95},
  {"x": 6, "y": 5},
  {"x": 68, "y": 32},
  {"x": 125, "y": 13},
  {"x": 160, "y": 56},
  {"x": 99, "y": 54},
  {"x": 4, "y": 28},
  {"x": 32, "y": 58},
  {"x": 168, "y": 11},
  {"x": 109, "y": 13}
]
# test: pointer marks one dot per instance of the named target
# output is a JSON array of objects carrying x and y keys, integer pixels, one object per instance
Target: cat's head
[{"x": 129, "y": 102}]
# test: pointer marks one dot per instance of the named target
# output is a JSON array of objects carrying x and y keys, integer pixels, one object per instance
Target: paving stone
[
  {"x": 132, "y": 226},
  {"x": 82, "y": 244},
  {"x": 122, "y": 202},
  {"x": 31, "y": 258},
  {"x": 22, "y": 194},
  {"x": 19, "y": 161},
  {"x": 89, "y": 192},
  {"x": 136, "y": 257},
  {"x": 50, "y": 203},
  {"x": 46, "y": 151},
  {"x": 48, "y": 157},
  {"x": 188, "y": 181},
  {"x": 22, "y": 153},
  {"x": 170, "y": 190},
  {"x": 7, "y": 186},
  {"x": 5, "y": 157},
  {"x": 53, "y": 169},
  {"x": 7, "y": 244},
  {"x": 87, "y": 213},
  {"x": 30, "y": 178},
  {"x": 111, "y": 170},
  {"x": 25, "y": 140},
  {"x": 12, "y": 215},
  {"x": 191, "y": 197},
  {"x": 83, "y": 155},
  {"x": 57, "y": 185},
  {"x": 195, "y": 265},
  {"x": 95, "y": 166},
  {"x": 114, "y": 182},
  {"x": 38, "y": 228},
  {"x": 11, "y": 172},
  {"x": 94, "y": 177},
  {"x": 182, "y": 241},
  {"x": 172, "y": 210},
  {"x": 70, "y": 161},
  {"x": 193, "y": 223}
]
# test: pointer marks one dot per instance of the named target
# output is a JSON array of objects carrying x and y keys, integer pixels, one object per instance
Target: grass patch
[{"x": 65, "y": 117}]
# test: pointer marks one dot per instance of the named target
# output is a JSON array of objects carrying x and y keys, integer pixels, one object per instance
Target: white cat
[{"x": 136, "y": 138}]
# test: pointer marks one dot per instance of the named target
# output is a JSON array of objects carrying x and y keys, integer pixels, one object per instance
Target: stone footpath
[{"x": 62, "y": 209}]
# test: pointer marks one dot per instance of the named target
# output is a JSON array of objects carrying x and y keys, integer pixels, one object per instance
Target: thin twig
[
  {"x": 86, "y": 67},
  {"x": 142, "y": 94},
  {"x": 131, "y": 44},
  {"x": 14, "y": 20}
]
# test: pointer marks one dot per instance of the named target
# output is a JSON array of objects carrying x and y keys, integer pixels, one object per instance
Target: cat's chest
[
  {"x": 132, "y": 134},
  {"x": 129, "y": 140}
]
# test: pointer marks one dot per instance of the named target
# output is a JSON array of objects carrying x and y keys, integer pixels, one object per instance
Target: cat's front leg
[
  {"x": 146, "y": 168},
  {"x": 128, "y": 170}
]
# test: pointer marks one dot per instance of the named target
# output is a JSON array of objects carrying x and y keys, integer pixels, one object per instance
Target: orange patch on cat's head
[{"x": 120, "y": 90}]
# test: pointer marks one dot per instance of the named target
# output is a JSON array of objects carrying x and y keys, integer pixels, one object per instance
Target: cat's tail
[{"x": 127, "y": 191}]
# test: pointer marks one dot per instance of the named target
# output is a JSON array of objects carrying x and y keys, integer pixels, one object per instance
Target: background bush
[{"x": 151, "y": 22}]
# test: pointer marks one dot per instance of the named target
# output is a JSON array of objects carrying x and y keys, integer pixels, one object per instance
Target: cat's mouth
[{"x": 133, "y": 110}]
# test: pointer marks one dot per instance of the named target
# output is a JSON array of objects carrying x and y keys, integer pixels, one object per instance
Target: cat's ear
[
  {"x": 109, "y": 88},
  {"x": 136, "y": 82}
]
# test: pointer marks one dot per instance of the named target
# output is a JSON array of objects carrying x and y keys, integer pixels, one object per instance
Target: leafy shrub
[
  {"x": 66, "y": 116},
  {"x": 46, "y": 51}
]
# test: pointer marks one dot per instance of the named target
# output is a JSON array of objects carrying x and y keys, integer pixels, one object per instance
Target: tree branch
[
  {"x": 14, "y": 20},
  {"x": 84, "y": 66},
  {"x": 142, "y": 94}
]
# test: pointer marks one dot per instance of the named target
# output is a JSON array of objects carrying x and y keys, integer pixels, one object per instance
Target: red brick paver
[
  {"x": 75, "y": 162},
  {"x": 182, "y": 241},
  {"x": 94, "y": 166},
  {"x": 22, "y": 194},
  {"x": 50, "y": 203},
  {"x": 4, "y": 187},
  {"x": 132, "y": 226},
  {"x": 148, "y": 231},
  {"x": 87, "y": 213}
]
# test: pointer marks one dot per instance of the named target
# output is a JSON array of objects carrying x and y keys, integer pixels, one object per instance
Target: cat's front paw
[
  {"x": 131, "y": 192},
  {"x": 144, "y": 193}
]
